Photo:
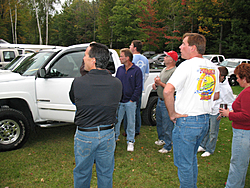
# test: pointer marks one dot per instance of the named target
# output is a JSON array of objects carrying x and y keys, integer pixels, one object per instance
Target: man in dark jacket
[{"x": 131, "y": 78}]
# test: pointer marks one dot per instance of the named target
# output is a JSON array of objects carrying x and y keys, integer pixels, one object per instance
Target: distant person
[
  {"x": 131, "y": 78},
  {"x": 208, "y": 143},
  {"x": 142, "y": 62},
  {"x": 96, "y": 96},
  {"x": 196, "y": 82},
  {"x": 240, "y": 117},
  {"x": 163, "y": 123}
]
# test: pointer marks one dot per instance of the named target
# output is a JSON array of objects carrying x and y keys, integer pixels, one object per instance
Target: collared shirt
[
  {"x": 131, "y": 83},
  {"x": 96, "y": 96}
]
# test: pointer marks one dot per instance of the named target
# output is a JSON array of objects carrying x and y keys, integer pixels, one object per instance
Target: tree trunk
[
  {"x": 38, "y": 25},
  {"x": 12, "y": 28},
  {"x": 47, "y": 21},
  {"x": 16, "y": 23},
  {"x": 221, "y": 32}
]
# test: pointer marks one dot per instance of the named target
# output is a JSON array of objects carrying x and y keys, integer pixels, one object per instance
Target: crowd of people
[{"x": 188, "y": 110}]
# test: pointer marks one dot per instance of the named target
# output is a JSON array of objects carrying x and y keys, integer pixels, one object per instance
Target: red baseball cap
[{"x": 172, "y": 54}]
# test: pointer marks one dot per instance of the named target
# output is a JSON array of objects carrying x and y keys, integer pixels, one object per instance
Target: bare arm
[
  {"x": 216, "y": 96},
  {"x": 168, "y": 94}
]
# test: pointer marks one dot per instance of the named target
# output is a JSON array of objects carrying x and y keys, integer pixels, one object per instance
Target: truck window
[
  {"x": 8, "y": 56},
  {"x": 68, "y": 66},
  {"x": 111, "y": 64},
  {"x": 221, "y": 58}
]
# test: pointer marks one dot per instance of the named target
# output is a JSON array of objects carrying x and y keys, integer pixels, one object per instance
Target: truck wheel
[
  {"x": 233, "y": 80},
  {"x": 149, "y": 113},
  {"x": 14, "y": 129}
]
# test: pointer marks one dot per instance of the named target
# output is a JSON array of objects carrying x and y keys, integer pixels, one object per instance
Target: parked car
[
  {"x": 231, "y": 64},
  {"x": 17, "y": 61},
  {"x": 148, "y": 54},
  {"x": 215, "y": 58},
  {"x": 7, "y": 55},
  {"x": 156, "y": 61}
]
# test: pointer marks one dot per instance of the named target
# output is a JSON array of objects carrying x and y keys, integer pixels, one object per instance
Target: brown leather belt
[{"x": 96, "y": 129}]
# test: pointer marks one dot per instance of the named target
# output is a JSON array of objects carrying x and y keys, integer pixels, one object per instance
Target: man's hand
[
  {"x": 154, "y": 86},
  {"x": 176, "y": 115}
]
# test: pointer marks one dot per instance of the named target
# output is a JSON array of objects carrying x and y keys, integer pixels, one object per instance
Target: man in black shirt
[{"x": 96, "y": 96}]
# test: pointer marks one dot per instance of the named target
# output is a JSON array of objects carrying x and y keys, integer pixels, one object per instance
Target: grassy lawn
[{"x": 47, "y": 160}]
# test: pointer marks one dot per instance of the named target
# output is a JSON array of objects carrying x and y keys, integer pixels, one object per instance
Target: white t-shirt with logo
[{"x": 196, "y": 81}]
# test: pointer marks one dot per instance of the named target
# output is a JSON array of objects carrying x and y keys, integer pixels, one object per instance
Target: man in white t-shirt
[{"x": 196, "y": 82}]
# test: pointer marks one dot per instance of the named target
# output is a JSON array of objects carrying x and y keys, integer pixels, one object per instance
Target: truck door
[{"x": 53, "y": 92}]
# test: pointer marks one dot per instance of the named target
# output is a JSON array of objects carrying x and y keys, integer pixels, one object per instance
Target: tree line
[{"x": 160, "y": 24}]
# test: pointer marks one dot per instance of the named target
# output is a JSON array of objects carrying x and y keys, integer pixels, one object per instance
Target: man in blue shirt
[
  {"x": 142, "y": 62},
  {"x": 131, "y": 78}
]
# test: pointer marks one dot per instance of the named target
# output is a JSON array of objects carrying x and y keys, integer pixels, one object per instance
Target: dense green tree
[
  {"x": 126, "y": 22},
  {"x": 105, "y": 30}
]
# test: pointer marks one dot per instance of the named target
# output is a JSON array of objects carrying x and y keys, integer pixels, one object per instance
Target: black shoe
[
  {"x": 136, "y": 134},
  {"x": 124, "y": 134}
]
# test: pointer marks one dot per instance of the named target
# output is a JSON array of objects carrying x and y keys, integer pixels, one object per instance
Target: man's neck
[
  {"x": 128, "y": 65},
  {"x": 170, "y": 67},
  {"x": 136, "y": 52}
]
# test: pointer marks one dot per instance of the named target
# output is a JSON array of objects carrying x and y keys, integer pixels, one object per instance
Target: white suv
[
  {"x": 231, "y": 64},
  {"x": 215, "y": 58}
]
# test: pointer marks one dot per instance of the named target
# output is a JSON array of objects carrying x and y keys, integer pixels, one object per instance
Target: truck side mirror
[{"x": 41, "y": 73}]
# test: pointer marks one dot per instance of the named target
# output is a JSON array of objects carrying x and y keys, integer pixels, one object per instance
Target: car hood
[{"x": 6, "y": 76}]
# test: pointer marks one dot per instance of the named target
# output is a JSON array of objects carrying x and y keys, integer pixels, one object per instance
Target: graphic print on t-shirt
[
  {"x": 206, "y": 83},
  {"x": 140, "y": 64}
]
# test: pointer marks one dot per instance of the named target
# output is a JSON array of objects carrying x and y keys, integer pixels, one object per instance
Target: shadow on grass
[{"x": 51, "y": 134}]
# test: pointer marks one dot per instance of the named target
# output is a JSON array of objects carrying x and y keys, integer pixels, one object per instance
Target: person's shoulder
[{"x": 140, "y": 56}]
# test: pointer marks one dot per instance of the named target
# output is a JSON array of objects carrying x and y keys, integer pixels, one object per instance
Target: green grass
[{"x": 47, "y": 160}]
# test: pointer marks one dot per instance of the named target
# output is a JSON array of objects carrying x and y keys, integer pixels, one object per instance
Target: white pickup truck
[{"x": 36, "y": 93}]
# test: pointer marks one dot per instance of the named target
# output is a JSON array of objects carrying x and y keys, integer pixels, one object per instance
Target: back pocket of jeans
[{"x": 83, "y": 147}]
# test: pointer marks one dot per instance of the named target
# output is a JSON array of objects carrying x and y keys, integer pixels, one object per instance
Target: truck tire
[
  {"x": 14, "y": 129},
  {"x": 233, "y": 80},
  {"x": 149, "y": 113}
]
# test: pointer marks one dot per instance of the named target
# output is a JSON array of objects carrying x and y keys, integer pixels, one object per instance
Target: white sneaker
[
  {"x": 200, "y": 149},
  {"x": 159, "y": 142},
  {"x": 206, "y": 154},
  {"x": 130, "y": 146},
  {"x": 163, "y": 150}
]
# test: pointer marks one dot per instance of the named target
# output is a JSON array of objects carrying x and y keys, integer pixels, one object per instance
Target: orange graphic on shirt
[{"x": 206, "y": 83}]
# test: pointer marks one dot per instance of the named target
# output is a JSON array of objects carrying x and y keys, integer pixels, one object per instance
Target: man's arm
[
  {"x": 216, "y": 96},
  {"x": 168, "y": 94},
  {"x": 138, "y": 86}
]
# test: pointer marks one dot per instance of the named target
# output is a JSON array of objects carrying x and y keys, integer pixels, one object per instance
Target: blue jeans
[
  {"x": 187, "y": 136},
  {"x": 209, "y": 141},
  {"x": 128, "y": 108},
  {"x": 98, "y": 146},
  {"x": 239, "y": 159},
  {"x": 137, "y": 118},
  {"x": 164, "y": 125}
]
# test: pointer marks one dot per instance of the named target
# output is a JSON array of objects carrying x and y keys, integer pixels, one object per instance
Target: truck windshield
[{"x": 31, "y": 65}]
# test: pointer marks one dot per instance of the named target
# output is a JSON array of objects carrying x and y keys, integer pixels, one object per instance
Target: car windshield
[
  {"x": 30, "y": 66},
  {"x": 12, "y": 64},
  {"x": 156, "y": 56},
  {"x": 207, "y": 57},
  {"x": 227, "y": 63}
]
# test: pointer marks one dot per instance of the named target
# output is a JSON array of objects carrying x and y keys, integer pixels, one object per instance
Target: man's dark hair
[
  {"x": 223, "y": 71},
  {"x": 138, "y": 45},
  {"x": 101, "y": 53}
]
